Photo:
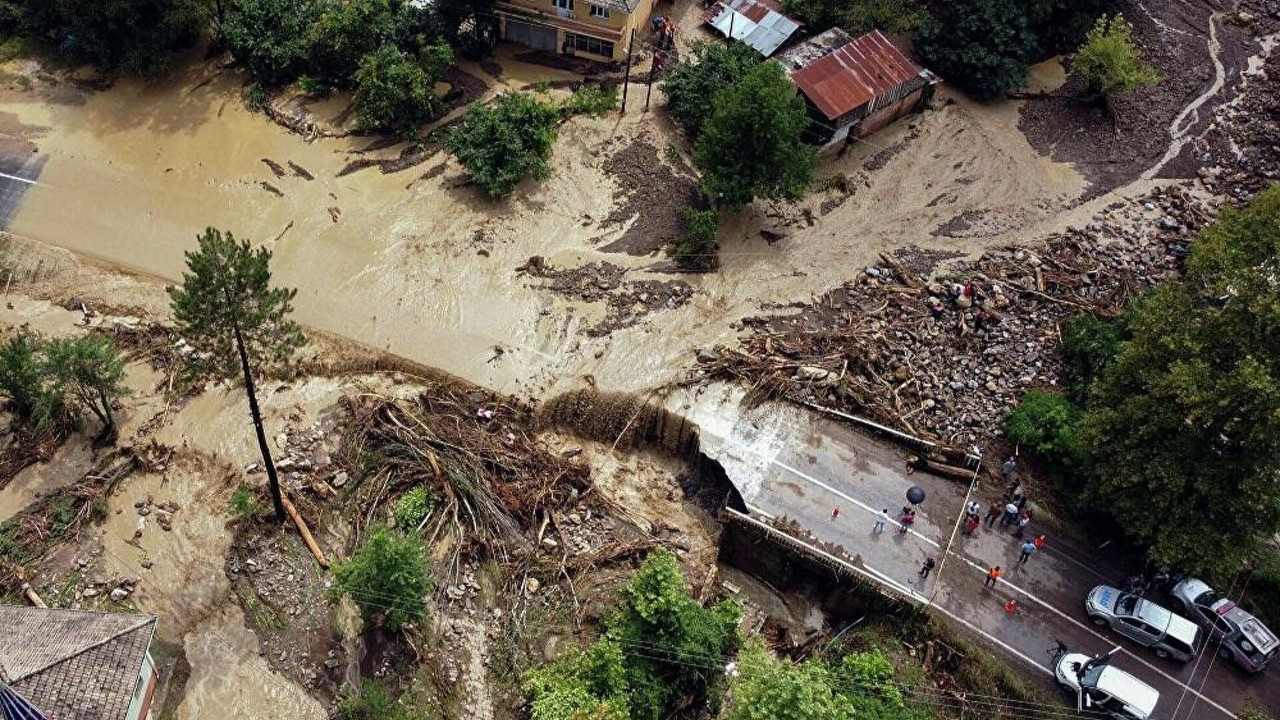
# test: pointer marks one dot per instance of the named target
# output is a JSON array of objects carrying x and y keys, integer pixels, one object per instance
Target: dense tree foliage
[
  {"x": 1059, "y": 25},
  {"x": 1089, "y": 346},
  {"x": 697, "y": 246},
  {"x": 1045, "y": 423},
  {"x": 32, "y": 396},
  {"x": 387, "y": 577},
  {"x": 53, "y": 382},
  {"x": 1110, "y": 61},
  {"x": 661, "y": 652},
  {"x": 983, "y": 46},
  {"x": 395, "y": 90},
  {"x": 859, "y": 16},
  {"x": 272, "y": 37},
  {"x": 751, "y": 147},
  {"x": 125, "y": 35},
  {"x": 502, "y": 143},
  {"x": 860, "y": 687},
  {"x": 694, "y": 83},
  {"x": 469, "y": 26},
  {"x": 351, "y": 30},
  {"x": 1183, "y": 431},
  {"x": 228, "y": 311}
]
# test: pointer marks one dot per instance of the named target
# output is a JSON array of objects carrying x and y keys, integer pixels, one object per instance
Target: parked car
[
  {"x": 1101, "y": 688},
  {"x": 1144, "y": 622},
  {"x": 1242, "y": 637}
]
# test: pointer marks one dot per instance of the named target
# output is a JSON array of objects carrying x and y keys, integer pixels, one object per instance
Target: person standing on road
[
  {"x": 993, "y": 512},
  {"x": 835, "y": 513},
  {"x": 929, "y": 565},
  {"x": 1010, "y": 515},
  {"x": 971, "y": 524},
  {"x": 972, "y": 508},
  {"x": 906, "y": 521},
  {"x": 992, "y": 576},
  {"x": 1011, "y": 607},
  {"x": 881, "y": 519},
  {"x": 1039, "y": 542},
  {"x": 1028, "y": 547},
  {"x": 1023, "y": 522}
]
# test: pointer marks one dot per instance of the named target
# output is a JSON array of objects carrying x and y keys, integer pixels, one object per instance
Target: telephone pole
[{"x": 626, "y": 80}]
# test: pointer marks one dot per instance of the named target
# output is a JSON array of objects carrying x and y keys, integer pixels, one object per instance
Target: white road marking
[{"x": 19, "y": 179}]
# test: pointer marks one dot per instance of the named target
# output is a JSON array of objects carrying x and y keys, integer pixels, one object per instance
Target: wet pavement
[{"x": 791, "y": 464}]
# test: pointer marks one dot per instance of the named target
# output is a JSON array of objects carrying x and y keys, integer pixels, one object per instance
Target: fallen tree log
[{"x": 304, "y": 531}]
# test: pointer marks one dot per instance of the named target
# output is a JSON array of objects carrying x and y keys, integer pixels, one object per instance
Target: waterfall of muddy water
[{"x": 629, "y": 421}]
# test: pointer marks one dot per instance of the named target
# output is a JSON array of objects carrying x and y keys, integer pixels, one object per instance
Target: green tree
[
  {"x": 397, "y": 91},
  {"x": 271, "y": 37},
  {"x": 33, "y": 400},
  {"x": 349, "y": 31},
  {"x": 658, "y": 612},
  {"x": 128, "y": 35},
  {"x": 1060, "y": 25},
  {"x": 228, "y": 311},
  {"x": 983, "y": 46},
  {"x": 900, "y": 16},
  {"x": 692, "y": 88},
  {"x": 89, "y": 371},
  {"x": 469, "y": 26},
  {"x": 1110, "y": 61},
  {"x": 502, "y": 143},
  {"x": 590, "y": 683},
  {"x": 762, "y": 113},
  {"x": 1183, "y": 431},
  {"x": 387, "y": 577},
  {"x": 1089, "y": 346},
  {"x": 1046, "y": 423}
]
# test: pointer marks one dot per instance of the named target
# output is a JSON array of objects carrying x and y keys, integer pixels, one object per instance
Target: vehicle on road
[
  {"x": 1144, "y": 622},
  {"x": 1242, "y": 638},
  {"x": 1101, "y": 688}
]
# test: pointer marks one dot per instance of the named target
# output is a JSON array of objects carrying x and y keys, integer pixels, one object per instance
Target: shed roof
[
  {"x": 73, "y": 664},
  {"x": 758, "y": 23},
  {"x": 848, "y": 76}
]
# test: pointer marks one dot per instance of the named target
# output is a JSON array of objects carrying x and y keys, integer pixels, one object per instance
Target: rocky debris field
[
  {"x": 627, "y": 301},
  {"x": 650, "y": 197},
  {"x": 874, "y": 347}
]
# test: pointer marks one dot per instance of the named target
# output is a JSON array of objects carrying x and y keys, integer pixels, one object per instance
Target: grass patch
[
  {"x": 261, "y": 614},
  {"x": 590, "y": 100},
  {"x": 15, "y": 47}
]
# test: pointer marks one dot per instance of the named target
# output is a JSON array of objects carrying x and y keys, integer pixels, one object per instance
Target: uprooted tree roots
[{"x": 473, "y": 450}]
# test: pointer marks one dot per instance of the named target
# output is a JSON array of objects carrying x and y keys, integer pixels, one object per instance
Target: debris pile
[
  {"x": 945, "y": 359},
  {"x": 627, "y": 301}
]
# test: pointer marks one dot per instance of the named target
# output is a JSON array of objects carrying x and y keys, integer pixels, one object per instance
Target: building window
[
  {"x": 599, "y": 12},
  {"x": 583, "y": 43},
  {"x": 563, "y": 4}
]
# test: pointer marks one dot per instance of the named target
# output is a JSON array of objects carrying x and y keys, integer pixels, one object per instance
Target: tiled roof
[
  {"x": 73, "y": 664},
  {"x": 847, "y": 77}
]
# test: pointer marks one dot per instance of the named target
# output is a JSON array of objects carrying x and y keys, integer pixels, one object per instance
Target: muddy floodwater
[{"x": 418, "y": 264}]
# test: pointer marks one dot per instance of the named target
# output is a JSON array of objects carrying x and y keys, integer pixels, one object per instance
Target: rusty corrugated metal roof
[{"x": 852, "y": 74}]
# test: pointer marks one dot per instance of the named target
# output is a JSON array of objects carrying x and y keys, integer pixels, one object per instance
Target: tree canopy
[
  {"x": 694, "y": 84},
  {"x": 751, "y": 146},
  {"x": 387, "y": 577},
  {"x": 395, "y": 90},
  {"x": 983, "y": 46},
  {"x": 127, "y": 35},
  {"x": 1183, "y": 430},
  {"x": 347, "y": 32},
  {"x": 272, "y": 37},
  {"x": 502, "y": 143},
  {"x": 1110, "y": 61},
  {"x": 56, "y": 382}
]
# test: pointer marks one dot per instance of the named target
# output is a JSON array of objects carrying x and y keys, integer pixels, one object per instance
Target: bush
[
  {"x": 272, "y": 37},
  {"x": 502, "y": 143},
  {"x": 349, "y": 31},
  {"x": 396, "y": 91},
  {"x": 1089, "y": 346},
  {"x": 1045, "y": 423},
  {"x": 590, "y": 100},
  {"x": 1110, "y": 61},
  {"x": 244, "y": 503},
  {"x": 697, "y": 247},
  {"x": 983, "y": 46},
  {"x": 33, "y": 398},
  {"x": 387, "y": 577},
  {"x": 372, "y": 703},
  {"x": 694, "y": 84},
  {"x": 413, "y": 507}
]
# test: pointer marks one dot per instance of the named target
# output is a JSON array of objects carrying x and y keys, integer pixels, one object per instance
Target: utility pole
[
  {"x": 626, "y": 80},
  {"x": 657, "y": 63}
]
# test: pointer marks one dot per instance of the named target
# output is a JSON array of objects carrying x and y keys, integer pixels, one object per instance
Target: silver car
[
  {"x": 1144, "y": 622},
  {"x": 1101, "y": 688},
  {"x": 1243, "y": 638}
]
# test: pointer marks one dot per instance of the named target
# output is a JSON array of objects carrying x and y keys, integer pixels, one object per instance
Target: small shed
[
  {"x": 854, "y": 87},
  {"x": 758, "y": 23}
]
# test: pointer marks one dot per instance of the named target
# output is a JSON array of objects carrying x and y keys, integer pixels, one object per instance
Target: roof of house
[
  {"x": 758, "y": 23},
  {"x": 841, "y": 79},
  {"x": 73, "y": 664}
]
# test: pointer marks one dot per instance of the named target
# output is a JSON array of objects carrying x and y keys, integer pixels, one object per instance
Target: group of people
[{"x": 963, "y": 297}]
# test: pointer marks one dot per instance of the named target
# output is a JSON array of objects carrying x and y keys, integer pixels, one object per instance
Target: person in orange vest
[
  {"x": 992, "y": 576},
  {"x": 1010, "y": 607}
]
